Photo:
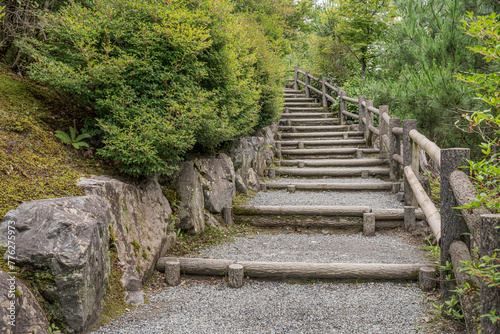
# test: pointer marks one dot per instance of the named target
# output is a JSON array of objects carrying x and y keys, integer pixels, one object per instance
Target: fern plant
[{"x": 72, "y": 138}]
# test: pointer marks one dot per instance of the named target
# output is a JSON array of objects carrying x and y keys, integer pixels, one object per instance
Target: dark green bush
[{"x": 160, "y": 76}]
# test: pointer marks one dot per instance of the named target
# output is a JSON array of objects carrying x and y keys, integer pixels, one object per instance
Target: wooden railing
[{"x": 455, "y": 229}]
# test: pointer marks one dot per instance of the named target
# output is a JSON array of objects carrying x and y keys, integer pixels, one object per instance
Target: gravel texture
[
  {"x": 318, "y": 248},
  {"x": 273, "y": 307},
  {"x": 375, "y": 200},
  {"x": 327, "y": 180}
]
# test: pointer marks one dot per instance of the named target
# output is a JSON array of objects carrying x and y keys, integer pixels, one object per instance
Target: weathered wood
[
  {"x": 272, "y": 173},
  {"x": 489, "y": 242},
  {"x": 342, "y": 107},
  {"x": 338, "y": 162},
  {"x": 429, "y": 147},
  {"x": 395, "y": 214},
  {"x": 321, "y": 134},
  {"x": 379, "y": 271},
  {"x": 361, "y": 112},
  {"x": 335, "y": 89},
  {"x": 459, "y": 253},
  {"x": 295, "y": 78},
  {"x": 464, "y": 190},
  {"x": 383, "y": 126},
  {"x": 306, "y": 84},
  {"x": 409, "y": 219},
  {"x": 235, "y": 276},
  {"x": 453, "y": 225},
  {"x": 332, "y": 270},
  {"x": 373, "y": 130},
  {"x": 333, "y": 186},
  {"x": 198, "y": 266},
  {"x": 374, "y": 110},
  {"x": 408, "y": 125},
  {"x": 313, "y": 151},
  {"x": 333, "y": 171},
  {"x": 354, "y": 211},
  {"x": 415, "y": 165},
  {"x": 227, "y": 215},
  {"x": 172, "y": 272},
  {"x": 427, "y": 278},
  {"x": 395, "y": 149},
  {"x": 398, "y": 159},
  {"x": 323, "y": 93},
  {"x": 350, "y": 114},
  {"x": 353, "y": 224},
  {"x": 369, "y": 224},
  {"x": 290, "y": 188},
  {"x": 398, "y": 131},
  {"x": 429, "y": 209},
  {"x": 350, "y": 99}
]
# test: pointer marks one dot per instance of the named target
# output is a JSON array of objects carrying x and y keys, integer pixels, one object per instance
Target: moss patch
[
  {"x": 34, "y": 164},
  {"x": 114, "y": 302}
]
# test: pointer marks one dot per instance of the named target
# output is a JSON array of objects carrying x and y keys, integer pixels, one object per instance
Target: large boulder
[
  {"x": 66, "y": 240},
  {"x": 218, "y": 181},
  {"x": 188, "y": 184},
  {"x": 254, "y": 154},
  {"x": 139, "y": 217},
  {"x": 20, "y": 312}
]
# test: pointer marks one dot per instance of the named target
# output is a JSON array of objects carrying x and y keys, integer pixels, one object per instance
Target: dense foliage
[{"x": 161, "y": 76}]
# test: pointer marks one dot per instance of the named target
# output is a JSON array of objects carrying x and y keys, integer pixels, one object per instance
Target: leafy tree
[{"x": 356, "y": 24}]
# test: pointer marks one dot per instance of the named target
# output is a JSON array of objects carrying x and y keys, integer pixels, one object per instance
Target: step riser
[
  {"x": 337, "y": 163},
  {"x": 333, "y": 186},
  {"x": 315, "y": 143},
  {"x": 299, "y": 99},
  {"x": 285, "y": 116},
  {"x": 332, "y": 173},
  {"x": 344, "y": 224},
  {"x": 309, "y": 129},
  {"x": 315, "y": 135},
  {"x": 314, "y": 122},
  {"x": 303, "y": 105},
  {"x": 302, "y": 270}
]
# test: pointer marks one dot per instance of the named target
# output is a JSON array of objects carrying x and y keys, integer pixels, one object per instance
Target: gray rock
[
  {"x": 253, "y": 180},
  {"x": 256, "y": 152},
  {"x": 19, "y": 308},
  {"x": 240, "y": 185},
  {"x": 218, "y": 182},
  {"x": 212, "y": 221},
  {"x": 139, "y": 214},
  {"x": 188, "y": 183},
  {"x": 67, "y": 239}
]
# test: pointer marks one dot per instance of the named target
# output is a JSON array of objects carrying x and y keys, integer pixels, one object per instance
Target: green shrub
[{"x": 161, "y": 77}]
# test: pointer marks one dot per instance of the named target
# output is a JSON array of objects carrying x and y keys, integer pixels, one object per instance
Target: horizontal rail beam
[
  {"x": 429, "y": 209},
  {"x": 428, "y": 146}
]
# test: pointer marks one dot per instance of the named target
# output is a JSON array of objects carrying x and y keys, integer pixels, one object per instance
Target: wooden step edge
[
  {"x": 330, "y": 186},
  {"x": 310, "y": 270}
]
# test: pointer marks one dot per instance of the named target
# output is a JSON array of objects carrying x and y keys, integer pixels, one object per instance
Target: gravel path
[
  {"x": 318, "y": 248},
  {"x": 376, "y": 200},
  {"x": 273, "y": 307}
]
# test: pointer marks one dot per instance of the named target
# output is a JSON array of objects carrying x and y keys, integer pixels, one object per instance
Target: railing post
[
  {"x": 370, "y": 122},
  {"x": 395, "y": 149},
  {"x": 489, "y": 242},
  {"x": 295, "y": 78},
  {"x": 308, "y": 94},
  {"x": 408, "y": 125},
  {"x": 342, "y": 107},
  {"x": 384, "y": 130},
  {"x": 323, "y": 91},
  {"x": 361, "y": 113},
  {"x": 453, "y": 225}
]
